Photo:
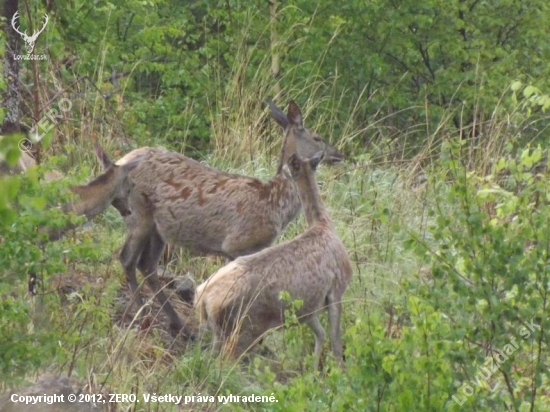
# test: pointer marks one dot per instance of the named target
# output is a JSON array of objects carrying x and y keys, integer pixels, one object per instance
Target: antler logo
[{"x": 29, "y": 40}]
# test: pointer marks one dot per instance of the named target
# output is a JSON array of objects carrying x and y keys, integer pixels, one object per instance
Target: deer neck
[
  {"x": 314, "y": 207},
  {"x": 288, "y": 148},
  {"x": 284, "y": 202}
]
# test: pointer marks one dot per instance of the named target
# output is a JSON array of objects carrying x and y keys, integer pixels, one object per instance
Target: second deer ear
[
  {"x": 286, "y": 171},
  {"x": 294, "y": 163},
  {"x": 294, "y": 115},
  {"x": 277, "y": 114},
  {"x": 316, "y": 159},
  {"x": 133, "y": 163}
]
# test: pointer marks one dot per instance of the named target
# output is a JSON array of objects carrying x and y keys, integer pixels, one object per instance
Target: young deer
[
  {"x": 180, "y": 201},
  {"x": 241, "y": 301}
]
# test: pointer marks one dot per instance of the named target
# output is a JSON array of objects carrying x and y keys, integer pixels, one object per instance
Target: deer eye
[{"x": 317, "y": 139}]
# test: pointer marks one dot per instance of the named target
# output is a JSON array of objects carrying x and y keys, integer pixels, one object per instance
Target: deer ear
[
  {"x": 294, "y": 114},
  {"x": 316, "y": 159},
  {"x": 102, "y": 156},
  {"x": 277, "y": 114},
  {"x": 287, "y": 172},
  {"x": 133, "y": 163},
  {"x": 294, "y": 163}
]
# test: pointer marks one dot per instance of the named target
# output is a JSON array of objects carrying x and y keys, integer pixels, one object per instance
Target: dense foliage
[{"x": 403, "y": 64}]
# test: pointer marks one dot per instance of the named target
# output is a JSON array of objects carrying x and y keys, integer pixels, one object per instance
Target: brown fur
[
  {"x": 97, "y": 195},
  {"x": 93, "y": 198},
  {"x": 179, "y": 201},
  {"x": 241, "y": 301}
]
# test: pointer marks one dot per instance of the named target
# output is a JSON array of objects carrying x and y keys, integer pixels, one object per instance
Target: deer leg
[
  {"x": 148, "y": 263},
  {"x": 129, "y": 255},
  {"x": 320, "y": 336},
  {"x": 216, "y": 338},
  {"x": 245, "y": 341},
  {"x": 334, "y": 316}
]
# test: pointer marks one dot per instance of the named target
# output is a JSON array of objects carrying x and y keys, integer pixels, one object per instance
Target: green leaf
[
  {"x": 516, "y": 86},
  {"x": 529, "y": 91}
]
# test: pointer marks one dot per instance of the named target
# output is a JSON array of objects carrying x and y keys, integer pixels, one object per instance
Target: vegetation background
[{"x": 443, "y": 202}]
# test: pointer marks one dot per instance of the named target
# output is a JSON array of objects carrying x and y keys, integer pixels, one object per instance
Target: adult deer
[
  {"x": 242, "y": 300},
  {"x": 180, "y": 201}
]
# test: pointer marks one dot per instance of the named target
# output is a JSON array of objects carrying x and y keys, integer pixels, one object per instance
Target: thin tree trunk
[
  {"x": 11, "y": 98},
  {"x": 36, "y": 90}
]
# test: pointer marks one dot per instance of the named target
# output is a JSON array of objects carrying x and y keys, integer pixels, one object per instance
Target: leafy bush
[
  {"x": 28, "y": 339},
  {"x": 395, "y": 368},
  {"x": 470, "y": 333},
  {"x": 490, "y": 271}
]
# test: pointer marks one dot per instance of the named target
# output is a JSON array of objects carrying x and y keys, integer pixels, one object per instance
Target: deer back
[
  {"x": 200, "y": 207},
  {"x": 211, "y": 211}
]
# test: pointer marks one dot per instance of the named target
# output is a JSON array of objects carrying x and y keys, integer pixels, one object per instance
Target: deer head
[
  {"x": 29, "y": 40},
  {"x": 299, "y": 139},
  {"x": 97, "y": 195}
]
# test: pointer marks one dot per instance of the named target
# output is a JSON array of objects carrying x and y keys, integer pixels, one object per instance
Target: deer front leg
[{"x": 148, "y": 264}]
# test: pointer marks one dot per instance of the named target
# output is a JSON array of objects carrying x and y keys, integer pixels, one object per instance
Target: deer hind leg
[
  {"x": 334, "y": 316},
  {"x": 320, "y": 337},
  {"x": 217, "y": 340},
  {"x": 254, "y": 324},
  {"x": 245, "y": 341},
  {"x": 232, "y": 331},
  {"x": 132, "y": 249},
  {"x": 148, "y": 264}
]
